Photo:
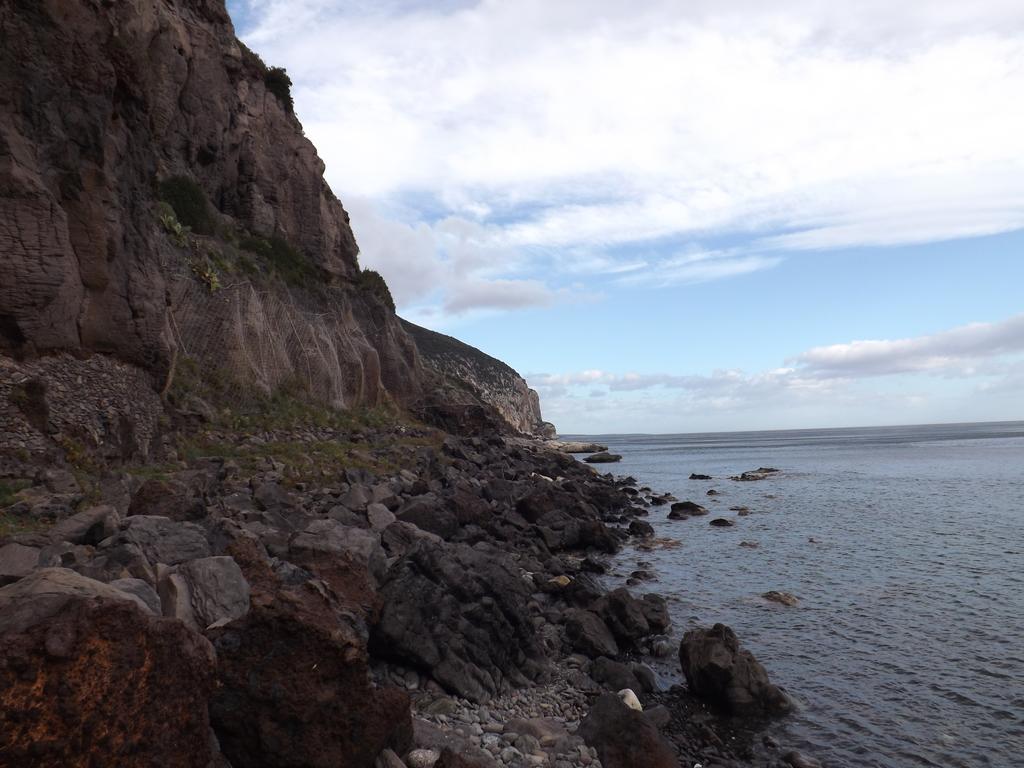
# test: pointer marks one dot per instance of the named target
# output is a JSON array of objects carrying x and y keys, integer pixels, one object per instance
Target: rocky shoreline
[{"x": 418, "y": 599}]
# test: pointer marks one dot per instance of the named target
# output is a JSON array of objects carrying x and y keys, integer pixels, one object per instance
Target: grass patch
[
  {"x": 282, "y": 259},
  {"x": 12, "y": 524},
  {"x": 279, "y": 84},
  {"x": 374, "y": 282},
  {"x": 9, "y": 490}
]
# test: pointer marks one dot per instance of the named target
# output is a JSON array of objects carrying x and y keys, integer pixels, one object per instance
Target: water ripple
[{"x": 906, "y": 648}]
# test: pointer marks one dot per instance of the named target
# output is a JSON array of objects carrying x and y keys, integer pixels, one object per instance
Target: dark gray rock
[
  {"x": 17, "y": 561},
  {"x": 161, "y": 539},
  {"x": 624, "y": 738},
  {"x": 141, "y": 590},
  {"x": 90, "y": 526},
  {"x": 718, "y": 669},
  {"x": 614, "y": 675},
  {"x": 589, "y": 635},
  {"x": 429, "y": 514},
  {"x": 205, "y": 592},
  {"x": 460, "y": 614}
]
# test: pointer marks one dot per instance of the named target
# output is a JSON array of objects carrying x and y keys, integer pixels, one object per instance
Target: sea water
[{"x": 905, "y": 547}]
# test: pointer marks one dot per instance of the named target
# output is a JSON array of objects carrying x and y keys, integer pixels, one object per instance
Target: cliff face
[
  {"x": 102, "y": 101},
  {"x": 102, "y": 105},
  {"x": 486, "y": 377}
]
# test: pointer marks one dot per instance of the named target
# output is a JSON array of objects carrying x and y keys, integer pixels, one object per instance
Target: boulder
[
  {"x": 656, "y": 612},
  {"x": 719, "y": 670},
  {"x": 640, "y": 528},
  {"x": 17, "y": 561},
  {"x": 429, "y": 514},
  {"x": 167, "y": 497},
  {"x": 722, "y": 522},
  {"x": 614, "y": 675},
  {"x": 623, "y": 737},
  {"x": 696, "y": 476},
  {"x": 460, "y": 614},
  {"x": 603, "y": 458},
  {"x": 589, "y": 635},
  {"x": 379, "y": 516},
  {"x": 293, "y": 679},
  {"x": 46, "y": 591},
  {"x": 625, "y": 616},
  {"x": 87, "y": 678},
  {"x": 331, "y": 538},
  {"x": 205, "y": 592},
  {"x": 141, "y": 590},
  {"x": 681, "y": 510},
  {"x": 90, "y": 526},
  {"x": 161, "y": 539}
]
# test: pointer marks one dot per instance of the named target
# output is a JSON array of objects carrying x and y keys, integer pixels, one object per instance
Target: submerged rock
[
  {"x": 695, "y": 476},
  {"x": 784, "y": 598},
  {"x": 722, "y": 522}
]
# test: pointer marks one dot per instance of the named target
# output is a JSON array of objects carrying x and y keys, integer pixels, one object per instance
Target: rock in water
[
  {"x": 459, "y": 613},
  {"x": 722, "y": 522},
  {"x": 603, "y": 458},
  {"x": 684, "y": 509},
  {"x": 88, "y": 681},
  {"x": 783, "y": 598},
  {"x": 718, "y": 669},
  {"x": 624, "y": 738}
]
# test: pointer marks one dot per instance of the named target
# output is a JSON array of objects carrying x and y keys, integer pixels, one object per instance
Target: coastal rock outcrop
[
  {"x": 718, "y": 669},
  {"x": 493, "y": 381}
]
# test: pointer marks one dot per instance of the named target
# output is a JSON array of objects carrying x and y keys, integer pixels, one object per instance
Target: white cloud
[
  {"x": 831, "y": 379},
  {"x": 594, "y": 128},
  {"x": 958, "y": 350}
]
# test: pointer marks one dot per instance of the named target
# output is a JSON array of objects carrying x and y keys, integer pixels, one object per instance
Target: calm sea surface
[{"x": 905, "y": 546}]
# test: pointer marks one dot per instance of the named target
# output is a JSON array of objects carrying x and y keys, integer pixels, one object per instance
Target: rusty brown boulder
[
  {"x": 88, "y": 681},
  {"x": 293, "y": 679}
]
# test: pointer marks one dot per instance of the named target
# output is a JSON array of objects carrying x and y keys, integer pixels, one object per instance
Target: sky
[{"x": 679, "y": 217}]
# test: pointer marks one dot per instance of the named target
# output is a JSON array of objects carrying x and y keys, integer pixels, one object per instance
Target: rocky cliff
[
  {"x": 494, "y": 382},
  {"x": 160, "y": 205}
]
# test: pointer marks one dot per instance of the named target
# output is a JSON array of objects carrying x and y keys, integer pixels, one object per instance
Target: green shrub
[
  {"x": 279, "y": 84},
  {"x": 287, "y": 261},
  {"x": 189, "y": 203},
  {"x": 169, "y": 221},
  {"x": 374, "y": 282}
]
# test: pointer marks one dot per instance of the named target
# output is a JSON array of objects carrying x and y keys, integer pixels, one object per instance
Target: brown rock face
[
  {"x": 101, "y": 683},
  {"x": 489, "y": 379},
  {"x": 624, "y": 738},
  {"x": 294, "y": 687},
  {"x": 99, "y": 102}
]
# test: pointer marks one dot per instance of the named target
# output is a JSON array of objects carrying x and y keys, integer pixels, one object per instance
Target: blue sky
[{"x": 687, "y": 218}]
